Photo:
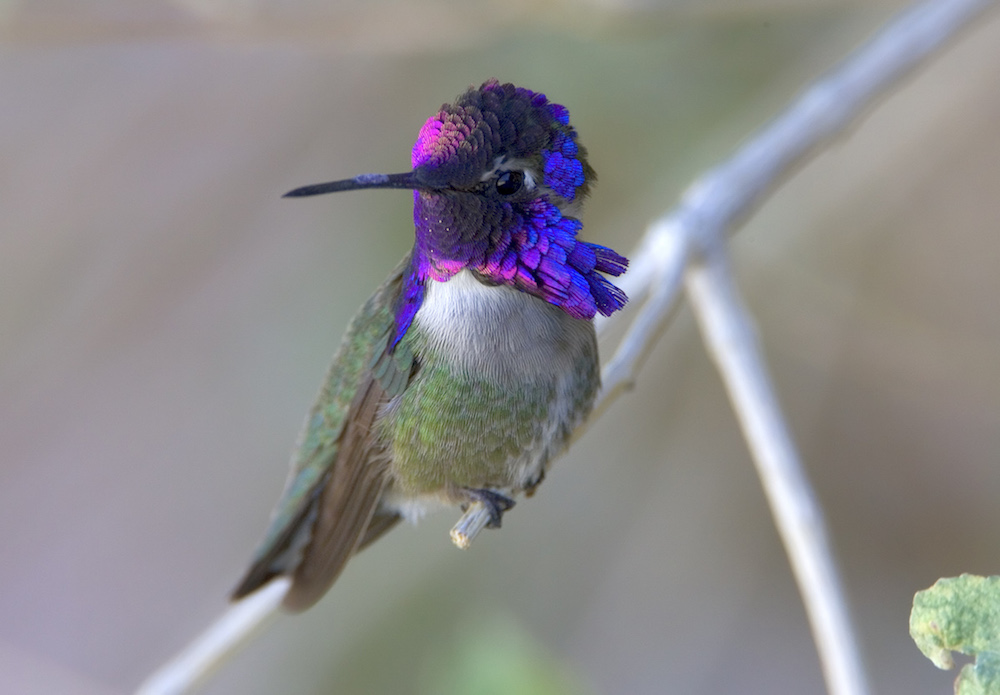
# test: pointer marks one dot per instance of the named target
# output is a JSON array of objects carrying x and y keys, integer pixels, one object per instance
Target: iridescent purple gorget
[{"x": 467, "y": 216}]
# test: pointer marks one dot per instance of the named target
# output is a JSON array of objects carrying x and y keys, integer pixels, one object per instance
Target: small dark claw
[
  {"x": 529, "y": 488},
  {"x": 495, "y": 502}
]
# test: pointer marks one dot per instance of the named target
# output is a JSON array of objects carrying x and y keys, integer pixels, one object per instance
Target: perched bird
[{"x": 469, "y": 368}]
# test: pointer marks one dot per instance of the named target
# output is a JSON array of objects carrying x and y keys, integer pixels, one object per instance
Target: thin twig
[
  {"x": 468, "y": 527},
  {"x": 223, "y": 638},
  {"x": 660, "y": 268},
  {"x": 711, "y": 209},
  {"x": 730, "y": 338}
]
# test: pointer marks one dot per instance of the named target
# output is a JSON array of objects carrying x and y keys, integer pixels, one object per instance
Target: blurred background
[{"x": 166, "y": 319}]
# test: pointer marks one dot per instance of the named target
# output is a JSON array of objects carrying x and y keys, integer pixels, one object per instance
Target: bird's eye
[{"x": 510, "y": 182}]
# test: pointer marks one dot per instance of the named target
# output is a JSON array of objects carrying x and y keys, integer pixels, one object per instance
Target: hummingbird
[{"x": 472, "y": 364}]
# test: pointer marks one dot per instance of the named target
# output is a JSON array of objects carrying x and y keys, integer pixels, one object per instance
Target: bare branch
[
  {"x": 657, "y": 270},
  {"x": 712, "y": 208},
  {"x": 730, "y": 338},
  {"x": 223, "y": 638}
]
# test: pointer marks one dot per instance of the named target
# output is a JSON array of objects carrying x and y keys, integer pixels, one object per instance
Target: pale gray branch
[
  {"x": 730, "y": 339},
  {"x": 657, "y": 272},
  {"x": 710, "y": 210},
  {"x": 222, "y": 639}
]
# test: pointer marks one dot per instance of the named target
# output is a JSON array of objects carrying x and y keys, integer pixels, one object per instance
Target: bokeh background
[{"x": 165, "y": 320}]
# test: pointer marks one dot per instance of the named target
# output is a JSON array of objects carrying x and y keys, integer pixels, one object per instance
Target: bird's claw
[{"x": 496, "y": 504}]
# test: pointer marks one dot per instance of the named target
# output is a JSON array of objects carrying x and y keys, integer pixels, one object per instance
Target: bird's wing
[{"x": 330, "y": 504}]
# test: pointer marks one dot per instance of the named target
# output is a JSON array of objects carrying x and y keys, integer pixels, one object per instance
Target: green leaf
[
  {"x": 983, "y": 678},
  {"x": 961, "y": 614}
]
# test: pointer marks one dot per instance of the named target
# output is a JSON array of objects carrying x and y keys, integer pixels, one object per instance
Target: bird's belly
[{"x": 503, "y": 380}]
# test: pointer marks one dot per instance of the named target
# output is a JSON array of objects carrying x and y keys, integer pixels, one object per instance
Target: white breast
[{"x": 499, "y": 330}]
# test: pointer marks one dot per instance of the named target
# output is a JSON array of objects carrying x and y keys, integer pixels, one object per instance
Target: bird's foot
[
  {"x": 496, "y": 504},
  {"x": 484, "y": 509}
]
